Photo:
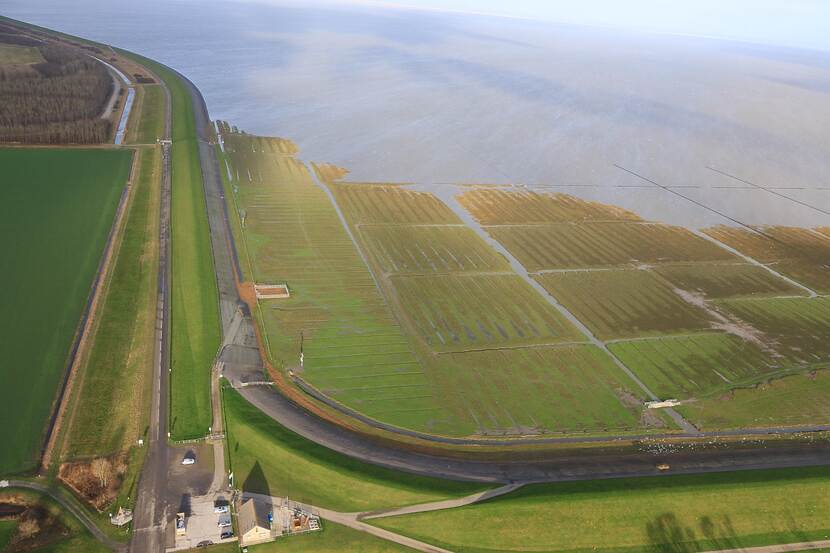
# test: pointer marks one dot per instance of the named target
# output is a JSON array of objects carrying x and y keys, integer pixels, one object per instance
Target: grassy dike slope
[
  {"x": 671, "y": 513},
  {"x": 267, "y": 458},
  {"x": 194, "y": 310}
]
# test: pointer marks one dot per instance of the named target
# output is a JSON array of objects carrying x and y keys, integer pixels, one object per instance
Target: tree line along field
[
  {"x": 59, "y": 204},
  {"x": 722, "y": 511},
  {"x": 690, "y": 318},
  {"x": 398, "y": 352}
]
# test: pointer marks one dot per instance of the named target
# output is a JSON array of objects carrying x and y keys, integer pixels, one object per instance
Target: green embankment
[
  {"x": 111, "y": 403},
  {"x": 150, "y": 124},
  {"x": 682, "y": 514},
  {"x": 7, "y": 528},
  {"x": 194, "y": 312},
  {"x": 58, "y": 205},
  {"x": 267, "y": 458},
  {"x": 334, "y": 538}
]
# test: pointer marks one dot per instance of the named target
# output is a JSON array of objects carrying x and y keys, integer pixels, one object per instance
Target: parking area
[{"x": 202, "y": 526}]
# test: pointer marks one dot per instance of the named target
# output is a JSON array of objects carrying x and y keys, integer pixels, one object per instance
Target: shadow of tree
[{"x": 667, "y": 534}]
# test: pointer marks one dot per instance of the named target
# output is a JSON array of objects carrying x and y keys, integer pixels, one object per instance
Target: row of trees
[{"x": 57, "y": 101}]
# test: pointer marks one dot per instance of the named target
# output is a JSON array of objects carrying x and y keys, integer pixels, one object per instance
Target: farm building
[{"x": 254, "y": 523}]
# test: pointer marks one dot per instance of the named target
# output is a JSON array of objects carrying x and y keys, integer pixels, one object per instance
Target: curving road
[{"x": 72, "y": 508}]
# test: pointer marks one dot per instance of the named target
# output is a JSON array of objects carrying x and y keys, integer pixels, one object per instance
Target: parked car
[
  {"x": 189, "y": 461},
  {"x": 226, "y": 535},
  {"x": 221, "y": 509},
  {"x": 204, "y": 543},
  {"x": 224, "y": 523}
]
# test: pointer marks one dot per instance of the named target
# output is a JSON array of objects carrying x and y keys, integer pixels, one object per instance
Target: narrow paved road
[
  {"x": 781, "y": 548},
  {"x": 72, "y": 508},
  {"x": 150, "y": 509}
]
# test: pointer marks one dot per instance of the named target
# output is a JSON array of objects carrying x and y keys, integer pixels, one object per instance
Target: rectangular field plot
[
  {"x": 56, "y": 210},
  {"x": 391, "y": 204},
  {"x": 801, "y": 399},
  {"x": 689, "y": 366},
  {"x": 727, "y": 280},
  {"x": 797, "y": 328},
  {"x": 565, "y": 389},
  {"x": 624, "y": 303},
  {"x": 430, "y": 249},
  {"x": 799, "y": 253},
  {"x": 354, "y": 349},
  {"x": 501, "y": 207},
  {"x": 564, "y": 246},
  {"x": 459, "y": 312}
]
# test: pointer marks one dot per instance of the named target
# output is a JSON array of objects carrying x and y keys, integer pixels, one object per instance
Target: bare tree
[{"x": 101, "y": 468}]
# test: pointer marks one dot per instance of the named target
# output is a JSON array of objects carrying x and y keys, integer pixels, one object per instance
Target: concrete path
[
  {"x": 440, "y": 505},
  {"x": 79, "y": 513},
  {"x": 352, "y": 521},
  {"x": 781, "y": 548}
]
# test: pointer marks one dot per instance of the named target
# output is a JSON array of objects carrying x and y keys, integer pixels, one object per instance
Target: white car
[
  {"x": 221, "y": 509},
  {"x": 224, "y": 522},
  {"x": 189, "y": 461}
]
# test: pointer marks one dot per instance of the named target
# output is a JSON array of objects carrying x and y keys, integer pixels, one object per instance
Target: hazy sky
[{"x": 804, "y": 23}]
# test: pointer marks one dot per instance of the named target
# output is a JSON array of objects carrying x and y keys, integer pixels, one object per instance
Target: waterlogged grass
[
  {"x": 354, "y": 350},
  {"x": 562, "y": 389},
  {"x": 672, "y": 513},
  {"x": 502, "y": 207},
  {"x": 267, "y": 458},
  {"x": 798, "y": 253},
  {"x": 194, "y": 310},
  {"x": 56, "y": 210},
  {"x": 688, "y": 366},
  {"x": 727, "y": 280},
  {"x": 568, "y": 245},
  {"x": 799, "y": 399},
  {"x": 624, "y": 303},
  {"x": 110, "y": 412},
  {"x": 459, "y": 312}
]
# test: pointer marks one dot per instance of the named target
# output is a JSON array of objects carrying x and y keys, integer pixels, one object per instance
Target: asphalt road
[{"x": 150, "y": 509}]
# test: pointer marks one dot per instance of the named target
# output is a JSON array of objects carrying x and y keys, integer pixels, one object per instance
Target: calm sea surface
[{"x": 648, "y": 122}]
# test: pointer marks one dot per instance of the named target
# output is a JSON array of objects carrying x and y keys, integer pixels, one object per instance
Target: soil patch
[{"x": 96, "y": 481}]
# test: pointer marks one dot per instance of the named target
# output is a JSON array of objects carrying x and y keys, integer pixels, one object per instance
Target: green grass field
[
  {"x": 569, "y": 245},
  {"x": 150, "y": 124},
  {"x": 267, "y": 458},
  {"x": 680, "y": 514},
  {"x": 7, "y": 528},
  {"x": 562, "y": 389},
  {"x": 112, "y": 399},
  {"x": 624, "y": 303},
  {"x": 59, "y": 205},
  {"x": 194, "y": 311},
  {"x": 12, "y": 54}
]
